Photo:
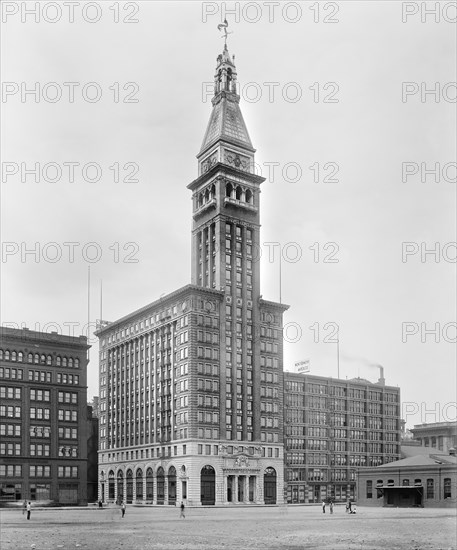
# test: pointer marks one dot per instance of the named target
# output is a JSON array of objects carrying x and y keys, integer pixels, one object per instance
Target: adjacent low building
[
  {"x": 333, "y": 426},
  {"x": 423, "y": 479},
  {"x": 43, "y": 434}
]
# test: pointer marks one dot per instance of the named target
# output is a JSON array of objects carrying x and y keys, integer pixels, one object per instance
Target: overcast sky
[{"x": 353, "y": 124}]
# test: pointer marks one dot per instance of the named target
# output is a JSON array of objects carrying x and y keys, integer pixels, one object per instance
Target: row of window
[
  {"x": 10, "y": 393},
  {"x": 38, "y": 376},
  {"x": 12, "y": 374},
  {"x": 145, "y": 323},
  {"x": 341, "y": 391},
  {"x": 7, "y": 392},
  {"x": 39, "y": 359}
]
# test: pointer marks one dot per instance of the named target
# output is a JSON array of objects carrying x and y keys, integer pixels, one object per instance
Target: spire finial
[{"x": 223, "y": 26}]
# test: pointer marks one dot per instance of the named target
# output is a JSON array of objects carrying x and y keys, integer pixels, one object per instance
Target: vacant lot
[{"x": 292, "y": 527}]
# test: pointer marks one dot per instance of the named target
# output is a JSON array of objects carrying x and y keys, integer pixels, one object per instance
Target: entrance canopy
[{"x": 418, "y": 488}]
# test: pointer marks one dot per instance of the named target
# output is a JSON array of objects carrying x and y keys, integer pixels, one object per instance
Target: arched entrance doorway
[
  {"x": 172, "y": 485},
  {"x": 120, "y": 486},
  {"x": 160, "y": 486},
  {"x": 111, "y": 486},
  {"x": 269, "y": 486},
  {"x": 129, "y": 477},
  {"x": 208, "y": 486},
  {"x": 139, "y": 484},
  {"x": 149, "y": 485}
]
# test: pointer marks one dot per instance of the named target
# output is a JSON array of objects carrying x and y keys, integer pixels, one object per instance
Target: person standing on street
[
  {"x": 29, "y": 510},
  {"x": 182, "y": 515},
  {"x": 123, "y": 508},
  {"x": 323, "y": 506}
]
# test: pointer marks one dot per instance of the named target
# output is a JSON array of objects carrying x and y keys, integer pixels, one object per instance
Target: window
[
  {"x": 39, "y": 395},
  {"x": 40, "y": 471},
  {"x": 10, "y": 393},
  {"x": 430, "y": 488},
  {"x": 447, "y": 487},
  {"x": 369, "y": 488}
]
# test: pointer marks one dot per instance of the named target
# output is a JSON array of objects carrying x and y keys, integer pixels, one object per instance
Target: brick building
[
  {"x": 333, "y": 426},
  {"x": 43, "y": 394},
  {"x": 191, "y": 385}
]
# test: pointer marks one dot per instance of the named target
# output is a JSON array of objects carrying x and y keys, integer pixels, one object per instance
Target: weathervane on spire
[{"x": 223, "y": 26}]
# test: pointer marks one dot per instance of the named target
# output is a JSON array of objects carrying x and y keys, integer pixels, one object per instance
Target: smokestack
[{"x": 382, "y": 380}]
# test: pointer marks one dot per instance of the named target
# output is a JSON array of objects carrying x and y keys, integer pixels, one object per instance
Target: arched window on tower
[
  {"x": 228, "y": 84},
  {"x": 249, "y": 196},
  {"x": 239, "y": 192},
  {"x": 218, "y": 81},
  {"x": 228, "y": 190}
]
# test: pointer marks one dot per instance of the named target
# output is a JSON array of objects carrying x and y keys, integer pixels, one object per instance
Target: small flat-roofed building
[{"x": 423, "y": 480}]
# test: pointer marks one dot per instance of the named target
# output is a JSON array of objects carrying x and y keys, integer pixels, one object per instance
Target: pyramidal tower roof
[{"x": 226, "y": 121}]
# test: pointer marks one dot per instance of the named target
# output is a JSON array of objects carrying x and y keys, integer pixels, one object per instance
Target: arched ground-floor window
[
  {"x": 139, "y": 484},
  {"x": 172, "y": 485},
  {"x": 269, "y": 486},
  {"x": 208, "y": 486},
  {"x": 149, "y": 485},
  {"x": 160, "y": 486}
]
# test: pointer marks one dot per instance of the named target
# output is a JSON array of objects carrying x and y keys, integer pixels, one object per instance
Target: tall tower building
[{"x": 191, "y": 400}]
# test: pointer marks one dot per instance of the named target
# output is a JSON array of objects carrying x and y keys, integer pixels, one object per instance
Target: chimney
[{"x": 382, "y": 380}]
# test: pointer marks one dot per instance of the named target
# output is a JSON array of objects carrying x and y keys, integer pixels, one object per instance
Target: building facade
[
  {"x": 439, "y": 435},
  {"x": 191, "y": 400},
  {"x": 43, "y": 395},
  {"x": 424, "y": 480},
  {"x": 332, "y": 427}
]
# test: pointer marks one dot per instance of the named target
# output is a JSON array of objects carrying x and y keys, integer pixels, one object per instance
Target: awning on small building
[{"x": 419, "y": 488}]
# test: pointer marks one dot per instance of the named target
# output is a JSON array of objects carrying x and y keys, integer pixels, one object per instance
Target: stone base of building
[{"x": 239, "y": 477}]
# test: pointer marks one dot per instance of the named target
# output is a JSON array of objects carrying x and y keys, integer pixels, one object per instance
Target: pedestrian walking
[
  {"x": 29, "y": 509},
  {"x": 100, "y": 504},
  {"x": 182, "y": 515},
  {"x": 349, "y": 506},
  {"x": 24, "y": 507},
  {"x": 331, "y": 506},
  {"x": 123, "y": 508},
  {"x": 323, "y": 506}
]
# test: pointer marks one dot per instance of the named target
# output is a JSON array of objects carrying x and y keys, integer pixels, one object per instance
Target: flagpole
[
  {"x": 280, "y": 277},
  {"x": 101, "y": 300},
  {"x": 88, "y": 310},
  {"x": 338, "y": 353}
]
